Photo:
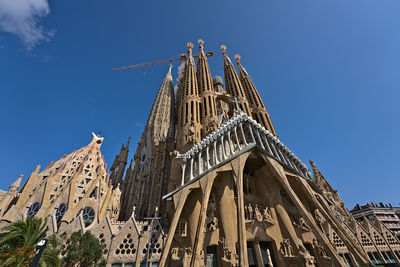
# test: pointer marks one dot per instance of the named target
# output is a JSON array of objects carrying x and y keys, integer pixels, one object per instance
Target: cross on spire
[
  {"x": 189, "y": 46},
  {"x": 223, "y": 48},
  {"x": 200, "y": 42},
  {"x": 237, "y": 57}
]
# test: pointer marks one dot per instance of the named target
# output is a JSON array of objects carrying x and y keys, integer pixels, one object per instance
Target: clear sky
[{"x": 328, "y": 71}]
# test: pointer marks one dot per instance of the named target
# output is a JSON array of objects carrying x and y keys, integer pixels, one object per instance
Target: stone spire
[
  {"x": 188, "y": 106},
  {"x": 119, "y": 164},
  {"x": 10, "y": 195},
  {"x": 144, "y": 182},
  {"x": 232, "y": 83},
  {"x": 165, "y": 112},
  {"x": 209, "y": 115},
  {"x": 257, "y": 107},
  {"x": 17, "y": 183}
]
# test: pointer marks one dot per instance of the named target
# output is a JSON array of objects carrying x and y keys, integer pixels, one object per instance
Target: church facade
[{"x": 210, "y": 184}]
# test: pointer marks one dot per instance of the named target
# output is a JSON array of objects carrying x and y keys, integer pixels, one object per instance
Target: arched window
[
  {"x": 88, "y": 216},
  {"x": 60, "y": 211},
  {"x": 33, "y": 209}
]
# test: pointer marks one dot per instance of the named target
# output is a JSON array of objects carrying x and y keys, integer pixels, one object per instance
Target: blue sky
[{"x": 328, "y": 71}]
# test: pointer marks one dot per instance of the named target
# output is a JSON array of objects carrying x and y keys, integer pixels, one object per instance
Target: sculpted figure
[
  {"x": 250, "y": 209},
  {"x": 319, "y": 218},
  {"x": 320, "y": 249},
  {"x": 268, "y": 216},
  {"x": 213, "y": 225},
  {"x": 188, "y": 252},
  {"x": 258, "y": 214},
  {"x": 175, "y": 254},
  {"x": 303, "y": 225},
  {"x": 286, "y": 248}
]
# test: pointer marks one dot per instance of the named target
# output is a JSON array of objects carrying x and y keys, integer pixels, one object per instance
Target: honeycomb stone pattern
[{"x": 127, "y": 246}]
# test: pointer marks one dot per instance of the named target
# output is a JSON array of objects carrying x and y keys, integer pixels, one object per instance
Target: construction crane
[{"x": 181, "y": 58}]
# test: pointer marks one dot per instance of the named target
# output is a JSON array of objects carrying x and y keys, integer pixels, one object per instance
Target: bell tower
[
  {"x": 208, "y": 110},
  {"x": 188, "y": 106},
  {"x": 232, "y": 83},
  {"x": 257, "y": 107}
]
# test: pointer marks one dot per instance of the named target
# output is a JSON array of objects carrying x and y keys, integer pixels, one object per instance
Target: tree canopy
[
  {"x": 18, "y": 242},
  {"x": 82, "y": 250}
]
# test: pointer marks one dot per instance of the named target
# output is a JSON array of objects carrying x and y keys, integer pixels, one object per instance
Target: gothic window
[
  {"x": 33, "y": 209},
  {"x": 60, "y": 212},
  {"x": 88, "y": 216},
  {"x": 181, "y": 229},
  {"x": 251, "y": 255},
  {"x": 267, "y": 254},
  {"x": 372, "y": 258},
  {"x": 211, "y": 256},
  {"x": 346, "y": 258},
  {"x": 199, "y": 111},
  {"x": 186, "y": 113},
  {"x": 389, "y": 258}
]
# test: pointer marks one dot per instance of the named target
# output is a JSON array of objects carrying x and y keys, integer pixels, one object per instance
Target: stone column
[
  {"x": 225, "y": 199},
  {"x": 206, "y": 186},
  {"x": 237, "y": 166},
  {"x": 257, "y": 251}
]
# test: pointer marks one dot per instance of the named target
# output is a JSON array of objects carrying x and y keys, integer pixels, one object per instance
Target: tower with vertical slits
[
  {"x": 232, "y": 83},
  {"x": 258, "y": 110},
  {"x": 208, "y": 107},
  {"x": 188, "y": 106},
  {"x": 145, "y": 181}
]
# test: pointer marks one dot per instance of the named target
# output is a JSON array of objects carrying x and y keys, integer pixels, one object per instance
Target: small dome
[{"x": 217, "y": 79}]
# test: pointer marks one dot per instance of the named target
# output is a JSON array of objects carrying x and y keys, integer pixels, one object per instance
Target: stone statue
[
  {"x": 175, "y": 254},
  {"x": 213, "y": 225},
  {"x": 250, "y": 209},
  {"x": 319, "y": 218},
  {"x": 258, "y": 214},
  {"x": 267, "y": 216},
  {"x": 320, "y": 249},
  {"x": 300, "y": 223},
  {"x": 286, "y": 248}
]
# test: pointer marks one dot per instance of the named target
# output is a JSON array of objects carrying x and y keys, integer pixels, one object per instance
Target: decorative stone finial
[
  {"x": 189, "y": 46},
  {"x": 156, "y": 212},
  {"x": 169, "y": 70},
  {"x": 96, "y": 139},
  {"x": 237, "y": 57},
  {"x": 200, "y": 42},
  {"x": 223, "y": 48}
]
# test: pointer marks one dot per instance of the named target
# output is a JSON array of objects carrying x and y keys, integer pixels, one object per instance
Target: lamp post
[{"x": 38, "y": 252}]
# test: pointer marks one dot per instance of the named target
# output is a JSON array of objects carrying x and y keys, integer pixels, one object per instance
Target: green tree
[
  {"x": 18, "y": 242},
  {"x": 82, "y": 250}
]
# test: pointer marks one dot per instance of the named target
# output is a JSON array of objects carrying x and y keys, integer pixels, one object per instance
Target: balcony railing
[{"x": 236, "y": 136}]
